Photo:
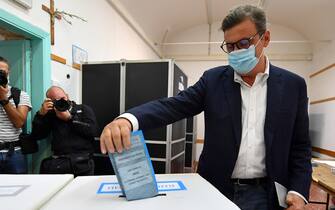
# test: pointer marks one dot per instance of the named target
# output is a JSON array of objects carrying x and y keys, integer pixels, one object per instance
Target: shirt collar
[{"x": 263, "y": 76}]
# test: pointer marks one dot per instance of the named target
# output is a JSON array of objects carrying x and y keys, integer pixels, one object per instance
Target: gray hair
[{"x": 244, "y": 12}]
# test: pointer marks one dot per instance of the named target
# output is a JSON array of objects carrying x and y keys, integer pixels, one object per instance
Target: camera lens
[
  {"x": 3, "y": 78},
  {"x": 61, "y": 105}
]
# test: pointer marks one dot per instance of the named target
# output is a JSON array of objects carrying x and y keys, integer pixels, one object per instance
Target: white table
[
  {"x": 81, "y": 194},
  {"x": 38, "y": 189}
]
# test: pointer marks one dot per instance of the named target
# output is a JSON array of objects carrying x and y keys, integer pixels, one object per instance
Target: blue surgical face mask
[{"x": 244, "y": 60}]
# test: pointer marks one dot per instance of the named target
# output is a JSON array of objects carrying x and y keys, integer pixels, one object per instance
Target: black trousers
[{"x": 76, "y": 164}]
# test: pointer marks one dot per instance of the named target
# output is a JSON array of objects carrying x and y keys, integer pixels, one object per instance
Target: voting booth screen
[{"x": 110, "y": 88}]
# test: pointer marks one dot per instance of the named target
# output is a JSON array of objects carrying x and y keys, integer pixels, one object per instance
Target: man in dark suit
[{"x": 256, "y": 120}]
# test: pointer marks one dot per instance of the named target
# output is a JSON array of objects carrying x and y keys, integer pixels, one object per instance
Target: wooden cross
[{"x": 53, "y": 14}]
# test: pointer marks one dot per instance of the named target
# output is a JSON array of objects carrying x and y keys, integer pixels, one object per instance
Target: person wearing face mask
[
  {"x": 14, "y": 107},
  {"x": 72, "y": 127},
  {"x": 256, "y": 120}
]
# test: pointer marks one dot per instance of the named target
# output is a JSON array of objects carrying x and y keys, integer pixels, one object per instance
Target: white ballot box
[
  {"x": 88, "y": 193},
  {"x": 29, "y": 192}
]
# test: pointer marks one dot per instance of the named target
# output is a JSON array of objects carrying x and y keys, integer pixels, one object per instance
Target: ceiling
[{"x": 311, "y": 18}]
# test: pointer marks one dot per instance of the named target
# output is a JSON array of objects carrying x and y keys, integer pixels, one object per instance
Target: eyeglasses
[{"x": 240, "y": 44}]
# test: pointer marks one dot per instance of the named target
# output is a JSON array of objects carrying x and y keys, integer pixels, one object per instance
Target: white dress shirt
[{"x": 251, "y": 157}]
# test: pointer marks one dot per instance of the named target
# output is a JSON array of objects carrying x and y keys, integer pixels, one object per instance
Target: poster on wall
[{"x": 79, "y": 55}]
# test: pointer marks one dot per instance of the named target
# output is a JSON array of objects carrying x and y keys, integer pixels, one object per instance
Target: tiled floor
[{"x": 317, "y": 194}]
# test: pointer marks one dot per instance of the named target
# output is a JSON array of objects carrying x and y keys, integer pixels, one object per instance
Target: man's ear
[{"x": 266, "y": 38}]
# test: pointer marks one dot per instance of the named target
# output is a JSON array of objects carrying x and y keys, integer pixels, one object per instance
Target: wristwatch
[{"x": 4, "y": 102}]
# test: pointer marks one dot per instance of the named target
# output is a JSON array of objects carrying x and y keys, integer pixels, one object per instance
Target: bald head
[{"x": 56, "y": 93}]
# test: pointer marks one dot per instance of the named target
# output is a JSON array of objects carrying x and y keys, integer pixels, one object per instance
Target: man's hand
[
  {"x": 65, "y": 116},
  {"x": 294, "y": 202},
  {"x": 46, "y": 106},
  {"x": 3, "y": 92},
  {"x": 115, "y": 136}
]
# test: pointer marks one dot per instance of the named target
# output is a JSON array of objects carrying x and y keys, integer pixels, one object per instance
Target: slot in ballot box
[
  {"x": 29, "y": 192},
  {"x": 196, "y": 194}
]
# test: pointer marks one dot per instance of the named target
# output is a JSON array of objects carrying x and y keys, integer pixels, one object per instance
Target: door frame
[
  {"x": 41, "y": 61},
  {"x": 40, "y": 70}
]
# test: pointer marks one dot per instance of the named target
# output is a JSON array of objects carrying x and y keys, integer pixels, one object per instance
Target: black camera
[
  {"x": 62, "y": 105},
  {"x": 3, "y": 78}
]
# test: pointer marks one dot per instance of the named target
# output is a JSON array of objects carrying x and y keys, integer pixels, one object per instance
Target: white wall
[
  {"x": 285, "y": 45},
  {"x": 106, "y": 36},
  {"x": 295, "y": 57},
  {"x": 322, "y": 86}
]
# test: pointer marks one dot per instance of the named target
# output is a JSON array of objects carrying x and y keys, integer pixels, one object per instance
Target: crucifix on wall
[
  {"x": 59, "y": 15},
  {"x": 53, "y": 16}
]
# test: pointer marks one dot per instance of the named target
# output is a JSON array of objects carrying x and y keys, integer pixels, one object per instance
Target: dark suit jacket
[{"x": 288, "y": 149}]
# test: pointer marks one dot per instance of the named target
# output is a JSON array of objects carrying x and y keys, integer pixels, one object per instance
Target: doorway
[
  {"x": 28, "y": 52},
  {"x": 18, "y": 53}
]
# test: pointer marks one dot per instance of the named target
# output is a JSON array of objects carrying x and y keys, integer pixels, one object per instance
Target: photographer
[
  {"x": 14, "y": 108},
  {"x": 73, "y": 128}
]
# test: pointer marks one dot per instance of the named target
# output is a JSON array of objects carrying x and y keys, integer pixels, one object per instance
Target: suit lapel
[
  {"x": 274, "y": 99},
  {"x": 233, "y": 96}
]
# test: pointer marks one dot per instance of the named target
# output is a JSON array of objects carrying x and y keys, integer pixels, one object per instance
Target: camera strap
[{"x": 15, "y": 95}]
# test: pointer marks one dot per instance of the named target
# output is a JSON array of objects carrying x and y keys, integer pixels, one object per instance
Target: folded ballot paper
[{"x": 134, "y": 171}]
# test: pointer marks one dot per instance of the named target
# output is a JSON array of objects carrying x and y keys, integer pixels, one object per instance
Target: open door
[
  {"x": 39, "y": 74},
  {"x": 18, "y": 53}
]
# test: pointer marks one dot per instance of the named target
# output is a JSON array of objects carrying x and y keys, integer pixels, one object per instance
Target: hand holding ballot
[
  {"x": 116, "y": 136},
  {"x": 131, "y": 163},
  {"x": 134, "y": 171}
]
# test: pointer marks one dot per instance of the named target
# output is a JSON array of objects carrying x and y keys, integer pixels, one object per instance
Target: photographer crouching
[{"x": 73, "y": 128}]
